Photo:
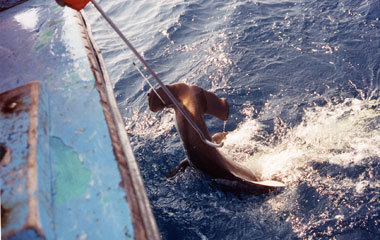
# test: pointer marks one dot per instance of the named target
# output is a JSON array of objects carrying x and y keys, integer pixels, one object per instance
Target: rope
[
  {"x": 166, "y": 90},
  {"x": 149, "y": 83}
]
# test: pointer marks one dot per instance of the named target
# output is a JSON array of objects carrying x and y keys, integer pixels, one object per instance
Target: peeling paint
[
  {"x": 105, "y": 199},
  {"x": 4, "y": 215},
  {"x": 71, "y": 177},
  {"x": 44, "y": 38},
  {"x": 127, "y": 233},
  {"x": 82, "y": 236},
  {"x": 5, "y": 155}
]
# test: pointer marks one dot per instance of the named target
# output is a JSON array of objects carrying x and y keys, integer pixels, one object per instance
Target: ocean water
[{"x": 302, "y": 78}]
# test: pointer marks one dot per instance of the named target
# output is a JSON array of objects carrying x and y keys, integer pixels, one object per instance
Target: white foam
[
  {"x": 361, "y": 186},
  {"x": 339, "y": 134}
]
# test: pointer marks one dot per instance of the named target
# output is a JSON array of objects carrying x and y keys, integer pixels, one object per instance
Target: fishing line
[
  {"x": 164, "y": 88},
  {"x": 149, "y": 83}
]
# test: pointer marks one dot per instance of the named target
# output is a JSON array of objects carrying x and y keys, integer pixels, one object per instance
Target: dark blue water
[{"x": 302, "y": 80}]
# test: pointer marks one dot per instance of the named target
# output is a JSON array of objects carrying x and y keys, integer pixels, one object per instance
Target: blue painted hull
[{"x": 70, "y": 171}]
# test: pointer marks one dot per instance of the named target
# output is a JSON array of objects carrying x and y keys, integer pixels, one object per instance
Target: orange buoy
[{"x": 76, "y": 4}]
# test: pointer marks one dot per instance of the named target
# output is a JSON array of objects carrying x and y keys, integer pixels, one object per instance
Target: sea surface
[{"x": 302, "y": 79}]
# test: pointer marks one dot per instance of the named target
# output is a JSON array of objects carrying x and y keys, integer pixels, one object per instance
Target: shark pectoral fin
[
  {"x": 180, "y": 168},
  {"x": 219, "y": 137}
]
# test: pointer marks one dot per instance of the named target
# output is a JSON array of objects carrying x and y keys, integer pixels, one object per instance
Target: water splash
[
  {"x": 329, "y": 163},
  {"x": 342, "y": 134}
]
